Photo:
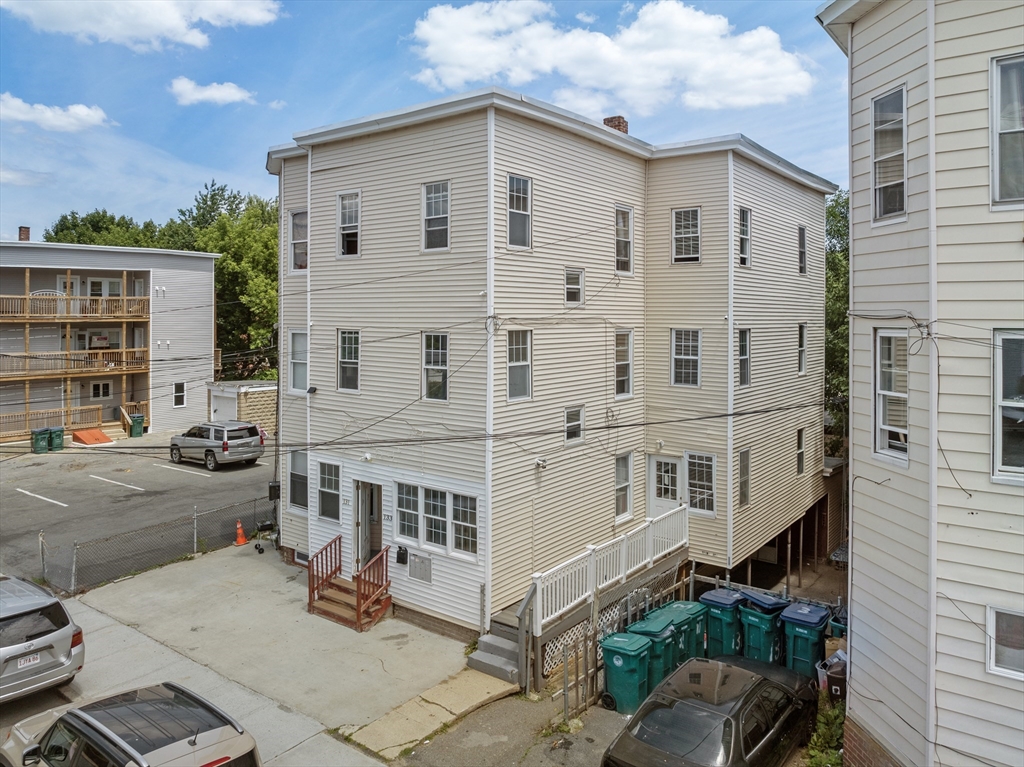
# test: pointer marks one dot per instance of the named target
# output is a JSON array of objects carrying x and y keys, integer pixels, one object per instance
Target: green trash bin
[
  {"x": 625, "y": 671},
  {"x": 56, "y": 437},
  {"x": 805, "y": 636},
  {"x": 762, "y": 627},
  {"x": 725, "y": 632},
  {"x": 40, "y": 440},
  {"x": 690, "y": 620},
  {"x": 658, "y": 627},
  {"x": 137, "y": 423}
]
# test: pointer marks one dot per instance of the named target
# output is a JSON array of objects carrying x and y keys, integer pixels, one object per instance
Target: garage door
[{"x": 222, "y": 407}]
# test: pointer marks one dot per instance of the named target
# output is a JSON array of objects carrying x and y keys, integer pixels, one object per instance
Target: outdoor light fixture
[
  {"x": 541, "y": 463},
  {"x": 311, "y": 390}
]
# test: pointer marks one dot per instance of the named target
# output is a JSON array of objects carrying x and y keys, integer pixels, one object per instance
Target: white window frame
[
  {"x": 673, "y": 356},
  {"x": 528, "y": 364},
  {"x": 92, "y": 390},
  {"x": 745, "y": 259},
  {"x": 628, "y": 241},
  {"x": 627, "y": 486},
  {"x": 456, "y": 524},
  {"x": 349, "y": 362},
  {"x": 629, "y": 364},
  {"x": 740, "y": 356},
  {"x": 320, "y": 489},
  {"x": 567, "y": 424},
  {"x": 990, "y": 653},
  {"x": 801, "y": 348},
  {"x": 580, "y": 288},
  {"x": 677, "y": 239},
  {"x": 996, "y": 90},
  {"x": 694, "y": 510},
  {"x": 293, "y": 363},
  {"x": 357, "y": 193},
  {"x": 175, "y": 394},
  {"x": 801, "y": 249},
  {"x": 899, "y": 216},
  {"x": 528, "y": 212},
  {"x": 451, "y": 524},
  {"x": 445, "y": 367},
  {"x": 743, "y": 476},
  {"x": 1001, "y": 472},
  {"x": 292, "y": 269},
  {"x": 447, "y": 216},
  {"x": 801, "y": 452},
  {"x": 299, "y": 458},
  {"x": 901, "y": 457},
  {"x": 399, "y": 511}
]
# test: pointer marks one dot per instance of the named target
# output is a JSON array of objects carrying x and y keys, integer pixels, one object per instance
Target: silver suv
[
  {"x": 40, "y": 646},
  {"x": 164, "y": 724},
  {"x": 219, "y": 442}
]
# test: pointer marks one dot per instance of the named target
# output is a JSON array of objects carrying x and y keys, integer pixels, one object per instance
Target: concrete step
[
  {"x": 494, "y": 665},
  {"x": 509, "y": 631},
  {"x": 496, "y": 645}
]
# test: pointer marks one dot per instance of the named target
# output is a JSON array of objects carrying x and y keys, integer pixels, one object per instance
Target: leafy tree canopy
[{"x": 837, "y": 323}]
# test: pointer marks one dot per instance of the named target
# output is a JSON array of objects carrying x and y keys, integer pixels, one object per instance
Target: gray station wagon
[
  {"x": 218, "y": 442},
  {"x": 40, "y": 646}
]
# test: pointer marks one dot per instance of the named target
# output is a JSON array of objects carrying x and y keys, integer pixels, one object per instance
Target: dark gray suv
[{"x": 219, "y": 442}]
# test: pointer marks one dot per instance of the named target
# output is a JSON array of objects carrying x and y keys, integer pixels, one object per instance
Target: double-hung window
[
  {"x": 1008, "y": 130},
  {"x": 700, "y": 482},
  {"x": 348, "y": 360},
  {"x": 519, "y": 212},
  {"x": 573, "y": 287},
  {"x": 299, "y": 236},
  {"x": 298, "y": 361},
  {"x": 448, "y": 520},
  {"x": 744, "y": 237},
  {"x": 686, "y": 358},
  {"x": 888, "y": 154},
  {"x": 408, "y": 503},
  {"x": 1008, "y": 389},
  {"x": 179, "y": 394},
  {"x": 623, "y": 485},
  {"x": 348, "y": 224},
  {"x": 744, "y": 471},
  {"x": 435, "y": 513},
  {"x": 519, "y": 364},
  {"x": 330, "y": 491},
  {"x": 1005, "y": 642},
  {"x": 435, "y": 366},
  {"x": 801, "y": 249},
  {"x": 623, "y": 363},
  {"x": 435, "y": 216},
  {"x": 686, "y": 236},
  {"x": 801, "y": 348},
  {"x": 799, "y": 451},
  {"x": 623, "y": 240},
  {"x": 743, "y": 359},
  {"x": 464, "y": 523},
  {"x": 574, "y": 424},
  {"x": 891, "y": 392},
  {"x": 298, "y": 479}
]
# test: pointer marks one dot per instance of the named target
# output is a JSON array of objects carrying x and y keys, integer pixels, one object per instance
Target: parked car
[
  {"x": 40, "y": 646},
  {"x": 219, "y": 442},
  {"x": 726, "y": 712},
  {"x": 160, "y": 725}
]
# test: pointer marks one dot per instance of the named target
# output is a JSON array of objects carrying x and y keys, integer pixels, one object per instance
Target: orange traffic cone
[{"x": 239, "y": 535}]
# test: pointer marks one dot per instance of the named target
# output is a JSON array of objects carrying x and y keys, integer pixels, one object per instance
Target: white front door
[
  {"x": 139, "y": 338},
  {"x": 68, "y": 289},
  {"x": 365, "y": 515},
  {"x": 664, "y": 485}
]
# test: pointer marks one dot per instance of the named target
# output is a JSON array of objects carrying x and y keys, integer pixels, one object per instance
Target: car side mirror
[{"x": 31, "y": 755}]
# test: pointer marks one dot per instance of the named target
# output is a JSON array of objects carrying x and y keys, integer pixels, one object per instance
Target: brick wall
[
  {"x": 259, "y": 407},
  {"x": 860, "y": 749}
]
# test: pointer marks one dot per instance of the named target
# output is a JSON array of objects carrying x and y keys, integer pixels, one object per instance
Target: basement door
[{"x": 367, "y": 522}]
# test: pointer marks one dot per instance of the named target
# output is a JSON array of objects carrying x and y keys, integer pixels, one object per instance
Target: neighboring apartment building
[
  {"x": 937, "y": 380},
  {"x": 492, "y": 266},
  {"x": 89, "y": 334}
]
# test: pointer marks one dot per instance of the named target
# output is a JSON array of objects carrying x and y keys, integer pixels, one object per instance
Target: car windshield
[
  {"x": 243, "y": 433},
  {"x": 19, "y": 629},
  {"x": 687, "y": 731}
]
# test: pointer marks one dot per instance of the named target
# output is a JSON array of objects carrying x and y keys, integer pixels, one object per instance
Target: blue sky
[{"x": 132, "y": 106}]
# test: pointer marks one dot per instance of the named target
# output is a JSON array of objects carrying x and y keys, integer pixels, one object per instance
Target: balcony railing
[
  {"x": 21, "y": 424},
  {"x": 47, "y": 364},
  {"x": 58, "y": 307}
]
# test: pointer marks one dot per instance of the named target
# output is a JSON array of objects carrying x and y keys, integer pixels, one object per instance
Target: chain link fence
[{"x": 75, "y": 567}]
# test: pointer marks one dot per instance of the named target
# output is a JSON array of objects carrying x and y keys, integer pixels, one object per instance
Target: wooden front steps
[{"x": 337, "y": 602}]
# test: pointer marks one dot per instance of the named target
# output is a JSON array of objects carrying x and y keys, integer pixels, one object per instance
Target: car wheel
[
  {"x": 175, "y": 455},
  {"x": 250, "y": 461},
  {"x": 211, "y": 462}
]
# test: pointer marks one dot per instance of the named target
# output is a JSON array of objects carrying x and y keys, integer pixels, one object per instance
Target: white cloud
[
  {"x": 586, "y": 18},
  {"x": 189, "y": 92},
  {"x": 70, "y": 119},
  {"x": 142, "y": 25},
  {"x": 626, "y": 9},
  {"x": 21, "y": 177},
  {"x": 277, "y": 104},
  {"x": 670, "y": 51}
]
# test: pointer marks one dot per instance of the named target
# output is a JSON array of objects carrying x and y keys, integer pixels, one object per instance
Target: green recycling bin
[
  {"x": 762, "y": 627},
  {"x": 805, "y": 636},
  {"x": 137, "y": 423},
  {"x": 690, "y": 620},
  {"x": 56, "y": 437},
  {"x": 658, "y": 627},
  {"x": 40, "y": 440},
  {"x": 725, "y": 632},
  {"x": 625, "y": 671}
]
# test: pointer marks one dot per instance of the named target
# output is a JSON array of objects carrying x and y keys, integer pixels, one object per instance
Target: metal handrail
[{"x": 525, "y": 618}]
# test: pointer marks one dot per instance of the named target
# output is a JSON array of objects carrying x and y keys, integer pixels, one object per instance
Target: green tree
[
  {"x": 837, "y": 322},
  {"x": 102, "y": 228}
]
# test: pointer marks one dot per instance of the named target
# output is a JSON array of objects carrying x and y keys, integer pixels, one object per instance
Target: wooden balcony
[
  {"x": 37, "y": 365},
  {"x": 18, "y": 425},
  {"x": 49, "y": 305}
]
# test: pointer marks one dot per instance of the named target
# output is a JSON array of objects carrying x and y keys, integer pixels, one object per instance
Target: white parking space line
[
  {"x": 41, "y": 498},
  {"x": 187, "y": 471},
  {"x": 122, "y": 484}
]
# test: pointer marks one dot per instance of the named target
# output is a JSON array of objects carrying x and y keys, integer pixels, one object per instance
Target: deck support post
[
  {"x": 750, "y": 579},
  {"x": 800, "y": 560},
  {"x": 789, "y": 555}
]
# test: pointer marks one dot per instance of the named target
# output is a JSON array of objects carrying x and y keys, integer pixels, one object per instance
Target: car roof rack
[
  {"x": 177, "y": 688},
  {"x": 115, "y": 741}
]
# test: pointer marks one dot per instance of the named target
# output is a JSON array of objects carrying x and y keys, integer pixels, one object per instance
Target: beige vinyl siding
[
  {"x": 691, "y": 296},
  {"x": 544, "y": 516}
]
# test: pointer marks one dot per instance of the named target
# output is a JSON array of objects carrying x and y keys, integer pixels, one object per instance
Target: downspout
[
  {"x": 730, "y": 383},
  {"x": 282, "y": 249},
  {"x": 850, "y": 611},
  {"x": 489, "y": 328},
  {"x": 309, "y": 318}
]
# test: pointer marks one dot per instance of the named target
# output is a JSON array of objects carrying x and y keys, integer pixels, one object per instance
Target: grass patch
[
  {"x": 553, "y": 729},
  {"x": 471, "y": 647}
]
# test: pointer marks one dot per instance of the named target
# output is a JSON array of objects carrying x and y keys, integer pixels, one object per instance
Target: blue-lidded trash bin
[
  {"x": 762, "y": 629},
  {"x": 725, "y": 633},
  {"x": 805, "y": 636},
  {"x": 56, "y": 438},
  {"x": 625, "y": 671},
  {"x": 659, "y": 627},
  {"x": 690, "y": 620},
  {"x": 40, "y": 440}
]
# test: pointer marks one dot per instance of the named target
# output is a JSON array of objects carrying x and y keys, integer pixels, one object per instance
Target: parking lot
[{"x": 87, "y": 493}]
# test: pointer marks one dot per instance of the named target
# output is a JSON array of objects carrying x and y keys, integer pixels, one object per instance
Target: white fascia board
[
  {"x": 278, "y": 153},
  {"x": 101, "y": 249},
  {"x": 836, "y": 16}
]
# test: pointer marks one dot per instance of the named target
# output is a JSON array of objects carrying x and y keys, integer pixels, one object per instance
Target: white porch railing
[{"x": 580, "y": 579}]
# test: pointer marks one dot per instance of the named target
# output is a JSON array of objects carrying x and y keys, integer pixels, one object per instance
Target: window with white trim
[
  {"x": 686, "y": 236},
  {"x": 441, "y": 512},
  {"x": 623, "y": 485},
  {"x": 329, "y": 500},
  {"x": 519, "y": 212},
  {"x": 801, "y": 348},
  {"x": 408, "y": 503},
  {"x": 298, "y": 361},
  {"x": 1008, "y": 391},
  {"x": 799, "y": 451},
  {"x": 178, "y": 394},
  {"x": 435, "y": 366},
  {"x": 744, "y": 472},
  {"x": 743, "y": 358},
  {"x": 574, "y": 424},
  {"x": 519, "y": 364},
  {"x": 888, "y": 154},
  {"x": 744, "y": 244},
  {"x": 1008, "y": 130},
  {"x": 101, "y": 390},
  {"x": 801, "y": 249},
  {"x": 623, "y": 363},
  {"x": 435, "y": 216},
  {"x": 1005, "y": 642},
  {"x": 891, "y": 399},
  {"x": 623, "y": 240},
  {"x": 464, "y": 527},
  {"x": 348, "y": 224},
  {"x": 686, "y": 358},
  {"x": 435, "y": 516},
  {"x": 700, "y": 482},
  {"x": 348, "y": 360},
  {"x": 298, "y": 479},
  {"x": 299, "y": 240},
  {"x": 573, "y": 287}
]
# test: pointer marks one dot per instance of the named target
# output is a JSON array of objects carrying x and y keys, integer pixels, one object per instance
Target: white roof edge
[
  {"x": 277, "y": 153},
  {"x": 255, "y": 383},
  {"x": 836, "y": 16},
  {"x": 112, "y": 248}
]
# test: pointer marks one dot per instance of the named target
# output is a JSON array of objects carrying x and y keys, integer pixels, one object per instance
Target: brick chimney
[
  {"x": 23, "y": 234},
  {"x": 618, "y": 122}
]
